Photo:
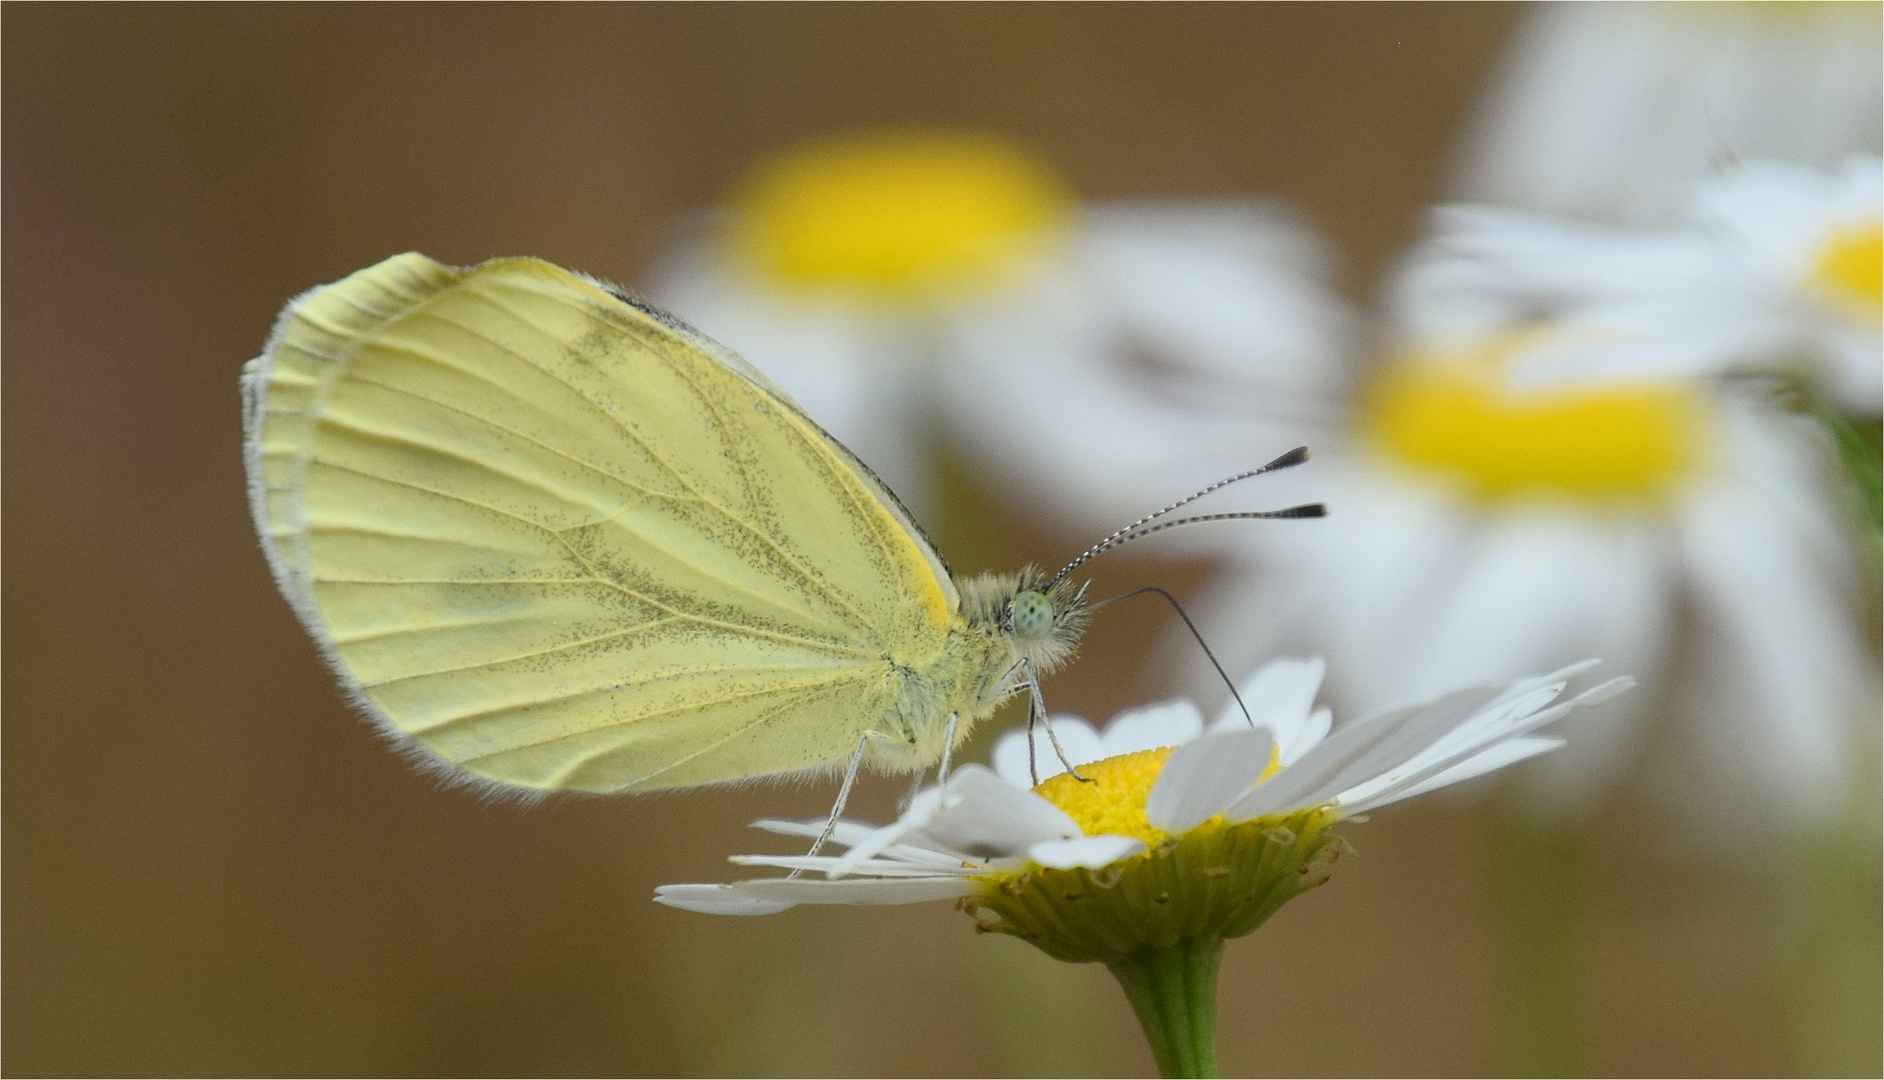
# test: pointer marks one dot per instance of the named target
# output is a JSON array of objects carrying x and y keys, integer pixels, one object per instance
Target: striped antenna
[{"x": 1149, "y": 524}]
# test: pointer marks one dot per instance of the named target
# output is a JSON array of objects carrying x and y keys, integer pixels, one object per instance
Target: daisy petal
[
  {"x": 1167, "y": 723},
  {"x": 867, "y": 868},
  {"x": 808, "y": 890},
  {"x": 1348, "y": 756},
  {"x": 1279, "y": 696},
  {"x": 717, "y": 900},
  {"x": 1081, "y": 742},
  {"x": 1089, "y": 851},
  {"x": 922, "y": 809},
  {"x": 844, "y": 834},
  {"x": 985, "y": 817},
  {"x": 1505, "y": 719},
  {"x": 1505, "y": 753},
  {"x": 1201, "y": 779},
  {"x": 1306, "y": 738}
]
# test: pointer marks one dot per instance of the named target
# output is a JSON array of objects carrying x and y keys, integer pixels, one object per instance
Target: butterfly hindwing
[{"x": 559, "y": 545}]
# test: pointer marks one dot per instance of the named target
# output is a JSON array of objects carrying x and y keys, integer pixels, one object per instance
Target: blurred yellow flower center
[
  {"x": 1113, "y": 801},
  {"x": 900, "y": 216},
  {"x": 1456, "y": 417},
  {"x": 1851, "y": 266}
]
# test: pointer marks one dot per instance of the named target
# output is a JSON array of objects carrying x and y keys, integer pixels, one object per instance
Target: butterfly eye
[{"x": 1031, "y": 615}]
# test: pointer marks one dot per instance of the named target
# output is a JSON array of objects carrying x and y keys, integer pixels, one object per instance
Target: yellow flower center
[
  {"x": 1456, "y": 419},
  {"x": 1111, "y": 800},
  {"x": 1850, "y": 267},
  {"x": 1113, "y": 803},
  {"x": 897, "y": 216}
]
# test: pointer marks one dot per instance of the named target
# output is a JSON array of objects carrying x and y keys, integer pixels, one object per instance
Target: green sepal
[{"x": 1216, "y": 881}]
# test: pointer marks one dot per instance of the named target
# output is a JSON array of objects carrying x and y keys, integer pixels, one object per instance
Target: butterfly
[{"x": 550, "y": 538}]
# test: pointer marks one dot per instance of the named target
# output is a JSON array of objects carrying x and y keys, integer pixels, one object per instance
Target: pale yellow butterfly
[{"x": 550, "y": 538}]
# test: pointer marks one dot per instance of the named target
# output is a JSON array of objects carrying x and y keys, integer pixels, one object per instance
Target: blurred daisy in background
[
  {"x": 837, "y": 265},
  {"x": 1776, "y": 271},
  {"x": 1610, "y": 111},
  {"x": 1476, "y": 524},
  {"x": 863, "y": 272},
  {"x": 1517, "y": 485},
  {"x": 1181, "y": 342}
]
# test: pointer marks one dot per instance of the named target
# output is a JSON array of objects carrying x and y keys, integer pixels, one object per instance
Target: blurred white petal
[{"x": 1610, "y": 111}]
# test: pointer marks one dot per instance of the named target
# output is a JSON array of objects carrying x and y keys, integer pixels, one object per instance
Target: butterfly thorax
[{"x": 1003, "y": 619}]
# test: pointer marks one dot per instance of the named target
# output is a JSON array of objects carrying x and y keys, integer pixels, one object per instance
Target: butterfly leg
[
  {"x": 941, "y": 774},
  {"x": 843, "y": 796},
  {"x": 948, "y": 749},
  {"x": 909, "y": 797},
  {"x": 1037, "y": 707}
]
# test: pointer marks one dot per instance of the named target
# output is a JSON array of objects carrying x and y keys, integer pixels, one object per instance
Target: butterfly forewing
[{"x": 561, "y": 546}]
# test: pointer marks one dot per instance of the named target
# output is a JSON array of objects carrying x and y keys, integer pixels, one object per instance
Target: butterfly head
[{"x": 1040, "y": 620}]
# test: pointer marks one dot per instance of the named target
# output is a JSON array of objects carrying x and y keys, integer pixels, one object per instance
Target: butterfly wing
[{"x": 552, "y": 540}]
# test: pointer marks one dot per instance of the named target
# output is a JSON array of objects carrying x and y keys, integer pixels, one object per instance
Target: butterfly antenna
[
  {"x": 1192, "y": 627},
  {"x": 1138, "y": 529}
]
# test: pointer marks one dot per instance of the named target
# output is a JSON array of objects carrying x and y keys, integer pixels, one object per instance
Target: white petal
[
  {"x": 1167, "y": 723},
  {"x": 1359, "y": 751},
  {"x": 1081, "y": 743},
  {"x": 886, "y": 867},
  {"x": 1162, "y": 340},
  {"x": 810, "y": 890},
  {"x": 985, "y": 817},
  {"x": 717, "y": 900},
  {"x": 1777, "y": 587},
  {"x": 1361, "y": 590},
  {"x": 1505, "y": 753},
  {"x": 1278, "y": 696},
  {"x": 899, "y": 852},
  {"x": 1610, "y": 111},
  {"x": 1515, "y": 713},
  {"x": 1201, "y": 779},
  {"x": 1009, "y": 758},
  {"x": 922, "y": 809},
  {"x": 1307, "y": 737},
  {"x": 1091, "y": 851},
  {"x": 844, "y": 834}
]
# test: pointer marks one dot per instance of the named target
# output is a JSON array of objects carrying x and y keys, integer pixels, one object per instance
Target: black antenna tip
[
  {"x": 1306, "y": 510},
  {"x": 1293, "y": 457}
]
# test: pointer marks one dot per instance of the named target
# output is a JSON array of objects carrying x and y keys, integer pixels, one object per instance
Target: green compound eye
[{"x": 1032, "y": 615}]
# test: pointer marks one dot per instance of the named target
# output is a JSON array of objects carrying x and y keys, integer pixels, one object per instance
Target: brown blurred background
[{"x": 211, "y": 867}]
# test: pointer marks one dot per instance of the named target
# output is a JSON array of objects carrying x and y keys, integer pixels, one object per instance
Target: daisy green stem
[
  {"x": 1858, "y": 451},
  {"x": 1536, "y": 877},
  {"x": 1174, "y": 992}
]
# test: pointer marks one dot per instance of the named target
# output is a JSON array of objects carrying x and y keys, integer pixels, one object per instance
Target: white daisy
[
  {"x": 1611, "y": 111},
  {"x": 1481, "y": 521},
  {"x": 1166, "y": 319},
  {"x": 1176, "y": 831},
  {"x": 860, "y": 272},
  {"x": 1777, "y": 272}
]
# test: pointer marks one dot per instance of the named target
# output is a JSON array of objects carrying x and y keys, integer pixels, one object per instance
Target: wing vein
[
  {"x": 626, "y": 631},
  {"x": 691, "y": 706},
  {"x": 752, "y": 631},
  {"x": 654, "y": 456}
]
